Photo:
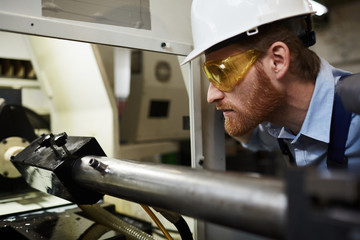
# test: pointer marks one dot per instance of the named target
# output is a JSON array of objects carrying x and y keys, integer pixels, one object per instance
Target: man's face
[{"x": 252, "y": 101}]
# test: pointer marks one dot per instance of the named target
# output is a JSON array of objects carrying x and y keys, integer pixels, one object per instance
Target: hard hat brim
[{"x": 194, "y": 54}]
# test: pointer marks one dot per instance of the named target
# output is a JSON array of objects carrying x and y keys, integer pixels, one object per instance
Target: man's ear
[{"x": 280, "y": 58}]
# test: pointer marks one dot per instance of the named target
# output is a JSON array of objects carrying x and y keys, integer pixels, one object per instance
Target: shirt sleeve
[{"x": 261, "y": 140}]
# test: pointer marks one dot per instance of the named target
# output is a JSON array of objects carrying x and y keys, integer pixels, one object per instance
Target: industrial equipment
[
  {"x": 48, "y": 74},
  {"x": 20, "y": 126},
  {"x": 58, "y": 105},
  {"x": 75, "y": 168}
]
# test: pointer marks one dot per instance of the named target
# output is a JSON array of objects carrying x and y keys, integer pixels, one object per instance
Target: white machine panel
[
  {"x": 158, "y": 101},
  {"x": 157, "y": 25}
]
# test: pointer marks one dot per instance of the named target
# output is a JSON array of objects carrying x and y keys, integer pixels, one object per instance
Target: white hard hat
[{"x": 214, "y": 21}]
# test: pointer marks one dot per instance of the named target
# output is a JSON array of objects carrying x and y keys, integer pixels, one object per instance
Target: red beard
[{"x": 261, "y": 102}]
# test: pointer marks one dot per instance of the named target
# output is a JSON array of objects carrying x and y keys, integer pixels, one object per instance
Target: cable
[
  {"x": 167, "y": 229},
  {"x": 100, "y": 215},
  {"x": 159, "y": 234},
  {"x": 157, "y": 221},
  {"x": 183, "y": 229},
  {"x": 179, "y": 223}
]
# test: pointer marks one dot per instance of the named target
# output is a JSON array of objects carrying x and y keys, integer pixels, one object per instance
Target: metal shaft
[{"x": 248, "y": 202}]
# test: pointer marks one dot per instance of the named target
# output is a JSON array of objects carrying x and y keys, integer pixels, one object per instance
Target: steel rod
[{"x": 248, "y": 202}]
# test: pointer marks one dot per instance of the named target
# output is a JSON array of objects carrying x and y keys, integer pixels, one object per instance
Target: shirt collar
[{"x": 318, "y": 118}]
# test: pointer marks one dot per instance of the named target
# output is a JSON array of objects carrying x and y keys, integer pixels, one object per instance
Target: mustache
[{"x": 223, "y": 106}]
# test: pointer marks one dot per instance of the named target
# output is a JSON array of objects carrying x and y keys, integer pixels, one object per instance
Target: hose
[
  {"x": 183, "y": 229},
  {"x": 102, "y": 216},
  {"x": 157, "y": 221},
  {"x": 179, "y": 222}
]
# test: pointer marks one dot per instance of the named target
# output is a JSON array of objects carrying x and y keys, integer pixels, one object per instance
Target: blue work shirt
[{"x": 309, "y": 146}]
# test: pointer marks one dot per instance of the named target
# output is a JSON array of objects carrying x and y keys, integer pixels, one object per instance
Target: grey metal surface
[{"x": 243, "y": 201}]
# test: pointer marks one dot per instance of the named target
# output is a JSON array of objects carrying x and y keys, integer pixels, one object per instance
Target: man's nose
[{"x": 214, "y": 94}]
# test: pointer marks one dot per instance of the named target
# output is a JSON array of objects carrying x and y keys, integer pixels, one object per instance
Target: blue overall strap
[{"x": 340, "y": 124}]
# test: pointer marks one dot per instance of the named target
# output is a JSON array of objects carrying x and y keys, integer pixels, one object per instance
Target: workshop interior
[{"x": 105, "y": 135}]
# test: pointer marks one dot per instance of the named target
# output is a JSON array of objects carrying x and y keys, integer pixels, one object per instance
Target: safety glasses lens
[{"x": 226, "y": 73}]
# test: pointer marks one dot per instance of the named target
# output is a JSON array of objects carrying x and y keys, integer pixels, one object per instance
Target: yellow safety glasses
[{"x": 226, "y": 73}]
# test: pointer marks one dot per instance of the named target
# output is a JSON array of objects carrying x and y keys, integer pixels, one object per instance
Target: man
[{"x": 273, "y": 91}]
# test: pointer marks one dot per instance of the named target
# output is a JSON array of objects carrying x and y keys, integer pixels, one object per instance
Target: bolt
[
  {"x": 165, "y": 45},
  {"x": 97, "y": 165},
  {"x": 48, "y": 141},
  {"x": 60, "y": 141},
  {"x": 93, "y": 163}
]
